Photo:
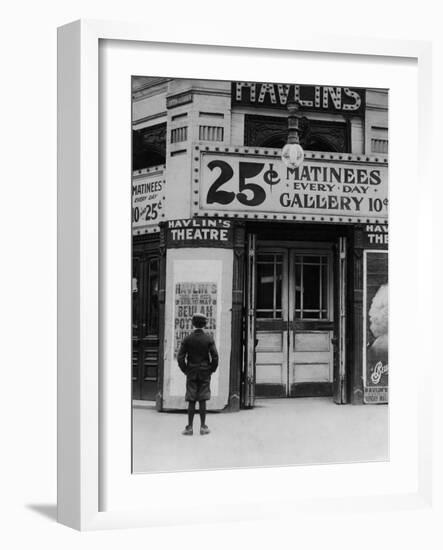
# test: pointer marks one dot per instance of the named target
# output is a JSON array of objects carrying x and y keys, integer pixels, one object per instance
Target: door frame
[
  {"x": 338, "y": 249},
  {"x": 145, "y": 348}
]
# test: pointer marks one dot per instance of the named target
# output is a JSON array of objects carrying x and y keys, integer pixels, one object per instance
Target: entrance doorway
[
  {"x": 145, "y": 320},
  {"x": 295, "y": 328}
]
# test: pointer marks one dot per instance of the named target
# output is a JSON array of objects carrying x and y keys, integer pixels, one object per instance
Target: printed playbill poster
[
  {"x": 192, "y": 298},
  {"x": 376, "y": 322}
]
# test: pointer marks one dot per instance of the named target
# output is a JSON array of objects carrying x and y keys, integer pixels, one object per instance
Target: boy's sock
[
  {"x": 191, "y": 413},
  {"x": 202, "y": 412}
]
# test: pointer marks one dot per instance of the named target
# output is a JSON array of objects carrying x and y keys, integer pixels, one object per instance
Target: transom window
[
  {"x": 269, "y": 285},
  {"x": 311, "y": 286}
]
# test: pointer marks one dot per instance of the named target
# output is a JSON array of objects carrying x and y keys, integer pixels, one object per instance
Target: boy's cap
[{"x": 199, "y": 316}]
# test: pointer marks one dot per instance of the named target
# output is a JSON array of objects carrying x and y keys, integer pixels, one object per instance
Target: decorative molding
[
  {"x": 179, "y": 134},
  {"x": 161, "y": 114},
  {"x": 211, "y": 91},
  {"x": 179, "y": 152},
  {"x": 181, "y": 98},
  {"x": 211, "y": 133},
  {"x": 179, "y": 116},
  {"x": 151, "y": 170},
  {"x": 187, "y": 96},
  {"x": 211, "y": 115},
  {"x": 379, "y": 145},
  {"x": 142, "y": 84}
]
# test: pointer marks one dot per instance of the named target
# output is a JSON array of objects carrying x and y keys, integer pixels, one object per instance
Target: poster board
[
  {"x": 375, "y": 326},
  {"x": 192, "y": 298},
  {"x": 148, "y": 188}
]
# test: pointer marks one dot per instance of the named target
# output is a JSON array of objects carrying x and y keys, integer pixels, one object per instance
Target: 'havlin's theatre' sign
[
  {"x": 201, "y": 232},
  {"x": 336, "y": 188}
]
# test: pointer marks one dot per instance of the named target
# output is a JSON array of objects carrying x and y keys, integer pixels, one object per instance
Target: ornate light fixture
[{"x": 292, "y": 153}]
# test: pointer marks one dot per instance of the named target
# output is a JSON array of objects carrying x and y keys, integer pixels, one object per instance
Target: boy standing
[{"x": 198, "y": 360}]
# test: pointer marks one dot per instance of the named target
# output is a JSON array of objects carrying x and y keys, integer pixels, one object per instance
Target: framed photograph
[{"x": 239, "y": 225}]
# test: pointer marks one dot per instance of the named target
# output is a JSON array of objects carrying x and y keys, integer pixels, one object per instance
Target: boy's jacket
[{"x": 198, "y": 353}]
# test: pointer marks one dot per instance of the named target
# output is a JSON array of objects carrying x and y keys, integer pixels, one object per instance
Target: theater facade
[{"x": 289, "y": 264}]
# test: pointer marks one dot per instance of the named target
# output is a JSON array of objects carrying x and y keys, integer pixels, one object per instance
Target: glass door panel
[
  {"x": 271, "y": 373},
  {"x": 310, "y": 354}
]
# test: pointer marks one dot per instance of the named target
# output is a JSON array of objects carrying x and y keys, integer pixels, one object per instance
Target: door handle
[{"x": 334, "y": 341}]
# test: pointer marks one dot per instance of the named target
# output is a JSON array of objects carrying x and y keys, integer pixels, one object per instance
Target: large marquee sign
[
  {"x": 255, "y": 183},
  {"x": 335, "y": 99},
  {"x": 148, "y": 188}
]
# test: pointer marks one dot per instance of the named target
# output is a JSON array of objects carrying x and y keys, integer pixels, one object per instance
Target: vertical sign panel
[
  {"x": 148, "y": 188},
  {"x": 376, "y": 313},
  {"x": 199, "y": 281}
]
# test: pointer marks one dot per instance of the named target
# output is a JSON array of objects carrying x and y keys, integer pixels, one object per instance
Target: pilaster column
[{"x": 237, "y": 333}]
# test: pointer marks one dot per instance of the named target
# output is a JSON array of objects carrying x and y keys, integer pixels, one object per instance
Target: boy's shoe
[
  {"x": 204, "y": 430},
  {"x": 188, "y": 430}
]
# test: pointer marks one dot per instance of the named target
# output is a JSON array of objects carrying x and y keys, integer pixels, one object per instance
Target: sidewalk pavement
[{"x": 276, "y": 432}]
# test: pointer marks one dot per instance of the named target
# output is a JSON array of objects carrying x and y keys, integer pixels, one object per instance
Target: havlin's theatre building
[{"x": 288, "y": 261}]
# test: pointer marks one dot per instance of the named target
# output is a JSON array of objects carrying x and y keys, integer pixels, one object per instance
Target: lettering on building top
[{"x": 311, "y": 98}]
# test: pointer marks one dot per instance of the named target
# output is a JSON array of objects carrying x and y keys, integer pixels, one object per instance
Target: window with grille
[
  {"x": 311, "y": 287},
  {"x": 269, "y": 286}
]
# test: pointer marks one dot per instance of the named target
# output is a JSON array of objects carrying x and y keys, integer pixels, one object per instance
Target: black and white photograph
[
  {"x": 259, "y": 274},
  {"x": 221, "y": 275}
]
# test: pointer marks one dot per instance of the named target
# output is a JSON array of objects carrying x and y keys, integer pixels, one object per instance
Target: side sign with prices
[
  {"x": 199, "y": 232},
  {"x": 376, "y": 324},
  {"x": 148, "y": 187},
  {"x": 335, "y": 99},
  {"x": 327, "y": 187}
]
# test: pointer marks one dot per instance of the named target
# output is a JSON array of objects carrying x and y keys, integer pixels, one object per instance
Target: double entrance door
[{"x": 296, "y": 326}]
